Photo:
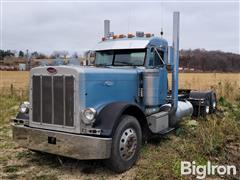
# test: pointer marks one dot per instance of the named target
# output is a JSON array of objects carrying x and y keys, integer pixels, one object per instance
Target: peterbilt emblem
[{"x": 52, "y": 70}]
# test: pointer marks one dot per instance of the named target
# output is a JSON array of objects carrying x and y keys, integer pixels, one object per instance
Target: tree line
[
  {"x": 35, "y": 54},
  {"x": 197, "y": 59},
  {"x": 210, "y": 61}
]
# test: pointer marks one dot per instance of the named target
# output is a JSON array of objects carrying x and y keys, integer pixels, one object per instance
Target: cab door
[{"x": 156, "y": 61}]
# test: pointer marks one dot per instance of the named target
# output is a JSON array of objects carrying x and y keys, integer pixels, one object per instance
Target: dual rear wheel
[{"x": 211, "y": 104}]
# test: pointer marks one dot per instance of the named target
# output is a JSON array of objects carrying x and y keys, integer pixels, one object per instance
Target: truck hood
[
  {"x": 97, "y": 86},
  {"x": 106, "y": 85},
  {"x": 96, "y": 74},
  {"x": 81, "y": 87},
  {"x": 91, "y": 73}
]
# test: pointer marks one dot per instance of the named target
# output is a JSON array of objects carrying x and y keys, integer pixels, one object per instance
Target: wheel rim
[
  {"x": 128, "y": 144},
  {"x": 207, "y": 109}
]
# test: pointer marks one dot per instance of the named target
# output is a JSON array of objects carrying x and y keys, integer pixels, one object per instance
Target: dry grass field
[
  {"x": 18, "y": 79},
  {"x": 215, "y": 139},
  {"x": 224, "y": 83}
]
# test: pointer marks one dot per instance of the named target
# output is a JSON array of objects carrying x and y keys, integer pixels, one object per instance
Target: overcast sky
[{"x": 77, "y": 26}]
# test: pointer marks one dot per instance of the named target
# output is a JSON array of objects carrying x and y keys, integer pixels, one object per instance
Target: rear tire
[
  {"x": 204, "y": 111},
  {"x": 126, "y": 144},
  {"x": 213, "y": 103}
]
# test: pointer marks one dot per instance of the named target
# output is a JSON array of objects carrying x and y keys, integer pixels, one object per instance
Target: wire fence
[{"x": 11, "y": 90}]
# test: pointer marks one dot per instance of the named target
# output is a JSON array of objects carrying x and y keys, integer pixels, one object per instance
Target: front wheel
[{"x": 126, "y": 144}]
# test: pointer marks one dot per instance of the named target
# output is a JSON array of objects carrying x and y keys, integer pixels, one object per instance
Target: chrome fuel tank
[
  {"x": 151, "y": 87},
  {"x": 184, "y": 109}
]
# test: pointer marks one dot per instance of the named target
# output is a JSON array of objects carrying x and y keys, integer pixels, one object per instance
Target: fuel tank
[
  {"x": 184, "y": 109},
  {"x": 154, "y": 87}
]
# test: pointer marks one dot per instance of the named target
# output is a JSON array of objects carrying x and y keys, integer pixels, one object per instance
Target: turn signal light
[
  {"x": 115, "y": 36},
  {"x": 130, "y": 35},
  {"x": 148, "y": 35},
  {"x": 121, "y": 36}
]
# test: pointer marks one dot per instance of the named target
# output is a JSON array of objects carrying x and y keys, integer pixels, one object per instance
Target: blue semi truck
[{"x": 106, "y": 110}]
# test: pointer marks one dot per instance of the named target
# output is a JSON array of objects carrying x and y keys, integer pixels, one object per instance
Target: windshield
[{"x": 128, "y": 57}]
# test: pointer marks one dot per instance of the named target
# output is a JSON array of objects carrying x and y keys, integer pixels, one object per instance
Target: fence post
[{"x": 11, "y": 89}]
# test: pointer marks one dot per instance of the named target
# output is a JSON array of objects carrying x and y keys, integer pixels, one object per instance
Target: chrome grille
[{"x": 53, "y": 100}]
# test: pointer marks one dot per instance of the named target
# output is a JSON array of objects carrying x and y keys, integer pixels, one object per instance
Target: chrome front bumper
[{"x": 60, "y": 143}]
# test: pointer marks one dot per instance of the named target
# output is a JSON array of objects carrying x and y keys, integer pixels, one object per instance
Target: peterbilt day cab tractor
[{"x": 107, "y": 110}]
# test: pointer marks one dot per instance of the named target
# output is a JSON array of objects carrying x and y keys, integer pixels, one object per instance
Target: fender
[
  {"x": 109, "y": 116},
  {"x": 201, "y": 99},
  {"x": 196, "y": 96}
]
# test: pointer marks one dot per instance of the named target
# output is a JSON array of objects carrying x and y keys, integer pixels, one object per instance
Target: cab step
[{"x": 165, "y": 131}]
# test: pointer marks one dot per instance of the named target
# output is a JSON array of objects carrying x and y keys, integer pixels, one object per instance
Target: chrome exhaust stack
[
  {"x": 175, "y": 65},
  {"x": 176, "y": 19},
  {"x": 178, "y": 109},
  {"x": 106, "y": 28}
]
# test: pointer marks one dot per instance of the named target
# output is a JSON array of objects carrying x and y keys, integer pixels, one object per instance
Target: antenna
[
  {"x": 129, "y": 18},
  {"x": 161, "y": 14}
]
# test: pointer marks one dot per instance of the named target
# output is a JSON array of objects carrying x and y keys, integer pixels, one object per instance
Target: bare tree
[
  {"x": 59, "y": 54},
  {"x": 75, "y": 55}
]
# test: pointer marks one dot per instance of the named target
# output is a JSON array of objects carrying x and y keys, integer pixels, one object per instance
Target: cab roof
[{"x": 130, "y": 43}]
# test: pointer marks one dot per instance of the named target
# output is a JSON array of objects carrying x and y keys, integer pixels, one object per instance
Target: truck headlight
[
  {"x": 24, "y": 107},
  {"x": 88, "y": 115}
]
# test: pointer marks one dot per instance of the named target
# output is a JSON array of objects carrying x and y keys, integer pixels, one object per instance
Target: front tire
[{"x": 126, "y": 144}]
